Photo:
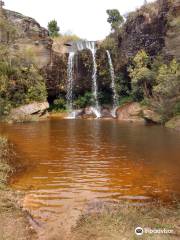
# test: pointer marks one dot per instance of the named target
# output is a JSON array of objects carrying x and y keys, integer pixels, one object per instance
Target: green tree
[
  {"x": 142, "y": 77},
  {"x": 168, "y": 80},
  {"x": 114, "y": 18},
  {"x": 53, "y": 28}
]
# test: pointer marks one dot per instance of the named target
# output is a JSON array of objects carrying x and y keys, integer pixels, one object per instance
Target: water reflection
[{"x": 71, "y": 162}]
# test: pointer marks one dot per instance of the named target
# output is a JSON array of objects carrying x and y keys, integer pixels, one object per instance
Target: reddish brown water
[{"x": 72, "y": 162}]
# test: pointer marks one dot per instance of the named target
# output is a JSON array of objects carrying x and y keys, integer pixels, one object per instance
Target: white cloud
[{"x": 86, "y": 18}]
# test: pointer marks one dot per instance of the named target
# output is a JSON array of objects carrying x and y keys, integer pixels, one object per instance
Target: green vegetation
[
  {"x": 84, "y": 101},
  {"x": 141, "y": 76},
  {"x": 59, "y": 105},
  {"x": 126, "y": 99},
  {"x": 20, "y": 81},
  {"x": 4, "y": 157},
  {"x": 8, "y": 31},
  {"x": 114, "y": 18},
  {"x": 53, "y": 28},
  {"x": 157, "y": 81}
]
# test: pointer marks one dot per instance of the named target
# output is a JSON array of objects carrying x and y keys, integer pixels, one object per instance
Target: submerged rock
[{"x": 174, "y": 123}]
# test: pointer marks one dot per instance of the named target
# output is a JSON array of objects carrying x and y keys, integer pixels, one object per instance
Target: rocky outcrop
[
  {"x": 30, "y": 38},
  {"x": 174, "y": 123},
  {"x": 172, "y": 38},
  {"x": 151, "y": 116},
  {"x": 130, "y": 112},
  {"x": 25, "y": 112},
  {"x": 153, "y": 28}
]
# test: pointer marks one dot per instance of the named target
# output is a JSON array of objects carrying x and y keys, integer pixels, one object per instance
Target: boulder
[
  {"x": 88, "y": 113},
  {"x": 30, "y": 110},
  {"x": 151, "y": 116},
  {"x": 130, "y": 112},
  {"x": 106, "y": 113},
  {"x": 174, "y": 123}
]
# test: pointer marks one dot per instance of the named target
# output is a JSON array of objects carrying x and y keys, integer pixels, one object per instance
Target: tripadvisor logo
[{"x": 139, "y": 231}]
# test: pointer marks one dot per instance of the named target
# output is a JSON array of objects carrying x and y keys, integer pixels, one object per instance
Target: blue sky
[{"x": 85, "y": 18}]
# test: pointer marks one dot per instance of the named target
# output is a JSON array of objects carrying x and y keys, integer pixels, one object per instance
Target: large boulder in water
[
  {"x": 130, "y": 112},
  {"x": 29, "y": 111},
  {"x": 152, "y": 116}
]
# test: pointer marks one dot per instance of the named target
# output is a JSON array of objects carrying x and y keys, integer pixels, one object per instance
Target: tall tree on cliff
[
  {"x": 115, "y": 19},
  {"x": 53, "y": 28}
]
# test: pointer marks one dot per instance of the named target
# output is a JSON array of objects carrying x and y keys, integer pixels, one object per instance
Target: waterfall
[
  {"x": 70, "y": 71},
  {"x": 113, "y": 85},
  {"x": 73, "y": 48},
  {"x": 92, "y": 47}
]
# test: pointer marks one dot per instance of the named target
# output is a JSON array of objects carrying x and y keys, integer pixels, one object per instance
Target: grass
[
  {"x": 58, "y": 42},
  {"x": 14, "y": 223},
  {"x": 5, "y": 169},
  {"x": 118, "y": 222}
]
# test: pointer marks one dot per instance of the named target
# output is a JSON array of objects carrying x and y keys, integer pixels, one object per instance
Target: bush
[
  {"x": 84, "y": 101},
  {"x": 176, "y": 109},
  {"x": 20, "y": 82},
  {"x": 168, "y": 80},
  {"x": 58, "y": 105},
  {"x": 124, "y": 100}
]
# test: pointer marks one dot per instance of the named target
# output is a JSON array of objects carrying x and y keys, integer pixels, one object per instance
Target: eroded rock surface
[{"x": 130, "y": 112}]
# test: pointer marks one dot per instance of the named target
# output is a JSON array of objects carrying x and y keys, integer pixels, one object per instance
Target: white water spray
[
  {"x": 92, "y": 47},
  {"x": 113, "y": 85},
  {"x": 70, "y": 81}
]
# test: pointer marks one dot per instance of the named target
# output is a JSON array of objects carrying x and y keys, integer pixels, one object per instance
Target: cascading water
[
  {"x": 113, "y": 85},
  {"x": 75, "y": 47},
  {"x": 69, "y": 95},
  {"x": 92, "y": 47}
]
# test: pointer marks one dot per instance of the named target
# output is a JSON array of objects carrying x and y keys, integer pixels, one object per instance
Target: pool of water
[{"x": 72, "y": 162}]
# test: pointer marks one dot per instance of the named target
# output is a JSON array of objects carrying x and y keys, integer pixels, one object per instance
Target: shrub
[
  {"x": 142, "y": 78},
  {"x": 176, "y": 109},
  {"x": 124, "y": 100},
  {"x": 20, "y": 82},
  {"x": 58, "y": 105},
  {"x": 168, "y": 80},
  {"x": 84, "y": 101}
]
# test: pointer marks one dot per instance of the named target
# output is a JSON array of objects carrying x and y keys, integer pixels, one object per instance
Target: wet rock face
[{"x": 56, "y": 76}]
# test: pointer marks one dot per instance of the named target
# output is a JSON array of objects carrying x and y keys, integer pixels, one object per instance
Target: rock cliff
[
  {"x": 29, "y": 37},
  {"x": 154, "y": 28}
]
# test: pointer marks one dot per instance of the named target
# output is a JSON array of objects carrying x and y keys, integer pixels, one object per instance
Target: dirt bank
[{"x": 14, "y": 223}]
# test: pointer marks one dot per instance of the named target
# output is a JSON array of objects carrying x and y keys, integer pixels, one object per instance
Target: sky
[{"x": 85, "y": 18}]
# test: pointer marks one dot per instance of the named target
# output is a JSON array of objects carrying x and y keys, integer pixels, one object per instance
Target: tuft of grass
[
  {"x": 118, "y": 222},
  {"x": 5, "y": 168}
]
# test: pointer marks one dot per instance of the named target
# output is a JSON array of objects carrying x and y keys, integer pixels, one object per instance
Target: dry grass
[
  {"x": 58, "y": 42},
  {"x": 4, "y": 167},
  {"x": 118, "y": 222},
  {"x": 14, "y": 224}
]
